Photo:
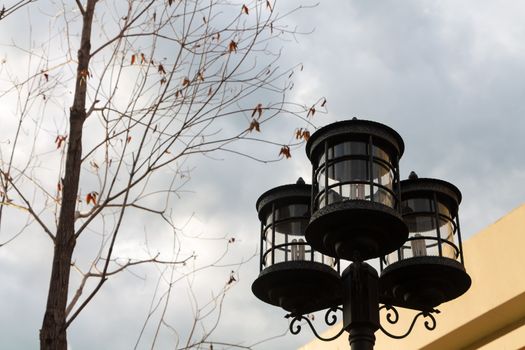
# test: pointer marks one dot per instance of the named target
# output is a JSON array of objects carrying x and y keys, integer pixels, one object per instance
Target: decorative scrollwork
[
  {"x": 392, "y": 317},
  {"x": 295, "y": 329},
  {"x": 390, "y": 310},
  {"x": 330, "y": 319}
]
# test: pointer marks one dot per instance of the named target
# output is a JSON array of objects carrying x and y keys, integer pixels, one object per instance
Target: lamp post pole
[{"x": 361, "y": 305}]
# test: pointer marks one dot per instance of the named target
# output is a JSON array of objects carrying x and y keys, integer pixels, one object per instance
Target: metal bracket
[
  {"x": 330, "y": 319},
  {"x": 392, "y": 317}
]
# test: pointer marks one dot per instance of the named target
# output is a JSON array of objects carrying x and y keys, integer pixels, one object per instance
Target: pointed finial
[
  {"x": 300, "y": 181},
  {"x": 412, "y": 176}
]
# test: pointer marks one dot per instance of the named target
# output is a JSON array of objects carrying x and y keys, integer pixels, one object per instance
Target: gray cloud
[{"x": 449, "y": 77}]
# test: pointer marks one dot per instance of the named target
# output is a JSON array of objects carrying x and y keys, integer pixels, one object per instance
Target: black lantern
[
  {"x": 427, "y": 269},
  {"x": 292, "y": 274},
  {"x": 355, "y": 198}
]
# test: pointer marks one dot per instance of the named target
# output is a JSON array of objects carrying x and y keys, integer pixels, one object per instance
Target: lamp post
[{"x": 357, "y": 209}]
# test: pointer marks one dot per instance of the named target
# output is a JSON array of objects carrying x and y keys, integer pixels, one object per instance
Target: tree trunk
[{"x": 53, "y": 332}]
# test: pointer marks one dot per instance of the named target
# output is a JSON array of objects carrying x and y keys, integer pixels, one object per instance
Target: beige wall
[{"x": 490, "y": 316}]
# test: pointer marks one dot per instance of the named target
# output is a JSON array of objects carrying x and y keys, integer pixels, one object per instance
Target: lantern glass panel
[
  {"x": 279, "y": 246},
  {"x": 447, "y": 231},
  {"x": 381, "y": 154},
  {"x": 284, "y": 237},
  {"x": 383, "y": 196},
  {"x": 350, "y": 147},
  {"x": 291, "y": 211},
  {"x": 267, "y": 242},
  {"x": 348, "y": 170},
  {"x": 346, "y": 175},
  {"x": 342, "y": 178},
  {"x": 383, "y": 175},
  {"x": 443, "y": 210},
  {"x": 424, "y": 225},
  {"x": 420, "y": 217},
  {"x": 417, "y": 205}
]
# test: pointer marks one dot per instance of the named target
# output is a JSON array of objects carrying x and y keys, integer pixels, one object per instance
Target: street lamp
[
  {"x": 358, "y": 209},
  {"x": 291, "y": 272},
  {"x": 355, "y": 197},
  {"x": 427, "y": 269}
]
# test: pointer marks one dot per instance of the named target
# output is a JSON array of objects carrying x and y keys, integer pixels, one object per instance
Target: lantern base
[
  {"x": 423, "y": 282},
  {"x": 356, "y": 230},
  {"x": 299, "y": 287}
]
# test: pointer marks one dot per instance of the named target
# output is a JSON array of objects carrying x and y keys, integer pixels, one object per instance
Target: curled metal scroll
[
  {"x": 330, "y": 319},
  {"x": 331, "y": 312},
  {"x": 392, "y": 317}
]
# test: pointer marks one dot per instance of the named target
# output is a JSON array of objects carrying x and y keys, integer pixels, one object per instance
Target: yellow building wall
[{"x": 490, "y": 316}]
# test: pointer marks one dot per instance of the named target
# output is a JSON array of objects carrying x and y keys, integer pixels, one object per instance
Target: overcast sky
[{"x": 448, "y": 75}]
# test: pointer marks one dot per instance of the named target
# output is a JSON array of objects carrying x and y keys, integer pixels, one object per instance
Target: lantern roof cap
[
  {"x": 355, "y": 126},
  {"x": 415, "y": 184},
  {"x": 298, "y": 193}
]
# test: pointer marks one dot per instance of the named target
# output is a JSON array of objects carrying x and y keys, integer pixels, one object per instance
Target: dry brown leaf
[
  {"x": 311, "y": 112},
  {"x": 232, "y": 278},
  {"x": 306, "y": 135},
  {"x": 245, "y": 9},
  {"x": 92, "y": 197},
  {"x": 254, "y": 125},
  {"x": 232, "y": 47},
  {"x": 59, "y": 140},
  {"x": 258, "y": 110},
  {"x": 302, "y": 134},
  {"x": 285, "y": 151}
]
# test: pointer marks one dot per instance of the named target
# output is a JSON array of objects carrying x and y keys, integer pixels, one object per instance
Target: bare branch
[
  {"x": 4, "y": 12},
  {"x": 80, "y": 7},
  {"x": 28, "y": 206}
]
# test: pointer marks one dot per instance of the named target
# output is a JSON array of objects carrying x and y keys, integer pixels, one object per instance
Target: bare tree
[
  {"x": 12, "y": 7},
  {"x": 152, "y": 83}
]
